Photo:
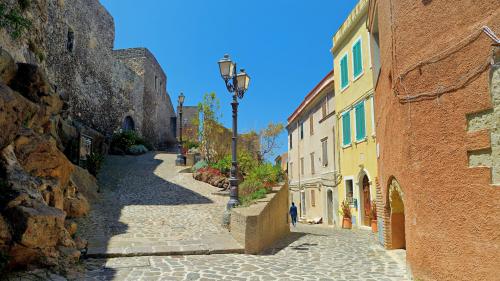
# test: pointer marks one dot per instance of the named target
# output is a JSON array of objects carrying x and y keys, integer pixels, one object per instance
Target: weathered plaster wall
[
  {"x": 258, "y": 226},
  {"x": 452, "y": 210}
]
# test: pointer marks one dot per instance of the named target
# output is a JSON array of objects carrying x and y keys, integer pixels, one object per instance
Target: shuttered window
[
  {"x": 302, "y": 166},
  {"x": 357, "y": 59},
  {"x": 313, "y": 198},
  {"x": 346, "y": 128},
  {"x": 312, "y": 164},
  {"x": 324, "y": 149},
  {"x": 360, "y": 121},
  {"x": 344, "y": 72}
]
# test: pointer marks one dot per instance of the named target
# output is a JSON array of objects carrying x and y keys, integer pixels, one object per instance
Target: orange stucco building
[{"x": 437, "y": 112}]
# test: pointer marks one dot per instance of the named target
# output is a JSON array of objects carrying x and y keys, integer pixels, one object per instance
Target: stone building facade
[
  {"x": 190, "y": 123},
  {"x": 73, "y": 41},
  {"x": 157, "y": 126},
  {"x": 437, "y": 107},
  {"x": 312, "y": 159}
]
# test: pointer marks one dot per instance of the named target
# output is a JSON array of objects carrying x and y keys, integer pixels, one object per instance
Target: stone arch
[
  {"x": 128, "y": 124},
  {"x": 396, "y": 214},
  {"x": 331, "y": 206}
]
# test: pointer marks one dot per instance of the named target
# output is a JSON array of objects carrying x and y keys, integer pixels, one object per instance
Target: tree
[
  {"x": 209, "y": 110},
  {"x": 269, "y": 139}
]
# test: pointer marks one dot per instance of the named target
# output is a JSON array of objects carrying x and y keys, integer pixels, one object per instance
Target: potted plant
[
  {"x": 345, "y": 211},
  {"x": 373, "y": 216}
]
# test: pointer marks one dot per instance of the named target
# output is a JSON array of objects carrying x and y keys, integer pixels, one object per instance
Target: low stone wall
[{"x": 259, "y": 226}]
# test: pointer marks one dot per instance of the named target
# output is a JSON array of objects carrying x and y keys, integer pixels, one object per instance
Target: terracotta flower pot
[
  {"x": 374, "y": 226},
  {"x": 347, "y": 223}
]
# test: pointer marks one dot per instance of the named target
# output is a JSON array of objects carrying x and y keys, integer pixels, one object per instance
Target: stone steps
[{"x": 221, "y": 243}]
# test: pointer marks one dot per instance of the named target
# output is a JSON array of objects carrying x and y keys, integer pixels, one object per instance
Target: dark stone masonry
[{"x": 104, "y": 89}]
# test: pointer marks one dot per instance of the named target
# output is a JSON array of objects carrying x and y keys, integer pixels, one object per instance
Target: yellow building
[{"x": 356, "y": 143}]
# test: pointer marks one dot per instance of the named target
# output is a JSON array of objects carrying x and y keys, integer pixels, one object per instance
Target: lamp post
[
  {"x": 237, "y": 84},
  {"x": 181, "y": 159}
]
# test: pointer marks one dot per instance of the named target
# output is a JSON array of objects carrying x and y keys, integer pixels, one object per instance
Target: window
[
  {"x": 302, "y": 130},
  {"x": 324, "y": 149},
  {"x": 372, "y": 108},
  {"x": 70, "y": 40},
  {"x": 359, "y": 111},
  {"x": 312, "y": 164},
  {"x": 291, "y": 142},
  {"x": 346, "y": 128},
  {"x": 357, "y": 59},
  {"x": 302, "y": 166},
  {"x": 311, "y": 125},
  {"x": 156, "y": 83},
  {"x": 349, "y": 191},
  {"x": 313, "y": 198},
  {"x": 291, "y": 170},
  {"x": 344, "y": 73},
  {"x": 323, "y": 108}
]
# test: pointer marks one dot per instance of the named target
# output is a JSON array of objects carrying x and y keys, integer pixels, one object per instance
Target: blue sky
[{"x": 283, "y": 45}]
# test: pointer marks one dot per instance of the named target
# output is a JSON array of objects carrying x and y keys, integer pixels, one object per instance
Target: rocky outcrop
[
  {"x": 211, "y": 178},
  {"x": 39, "y": 187}
]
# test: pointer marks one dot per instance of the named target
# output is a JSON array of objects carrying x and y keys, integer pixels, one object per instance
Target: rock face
[
  {"x": 39, "y": 186},
  {"x": 215, "y": 180},
  {"x": 104, "y": 89}
]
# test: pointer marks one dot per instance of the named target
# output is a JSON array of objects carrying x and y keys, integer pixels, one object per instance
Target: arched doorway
[
  {"x": 397, "y": 215},
  {"x": 128, "y": 124},
  {"x": 364, "y": 197},
  {"x": 329, "y": 207},
  {"x": 366, "y": 200}
]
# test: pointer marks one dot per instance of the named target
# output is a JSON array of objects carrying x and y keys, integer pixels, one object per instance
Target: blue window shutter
[
  {"x": 360, "y": 121},
  {"x": 346, "y": 129},
  {"x": 357, "y": 59},
  {"x": 344, "y": 72}
]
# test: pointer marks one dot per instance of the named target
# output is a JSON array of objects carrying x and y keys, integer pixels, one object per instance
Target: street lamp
[
  {"x": 181, "y": 159},
  {"x": 238, "y": 85}
]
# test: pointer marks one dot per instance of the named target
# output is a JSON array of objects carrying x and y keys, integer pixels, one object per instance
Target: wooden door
[{"x": 367, "y": 204}]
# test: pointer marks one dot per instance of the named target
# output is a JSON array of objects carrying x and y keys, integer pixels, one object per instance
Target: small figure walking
[{"x": 293, "y": 214}]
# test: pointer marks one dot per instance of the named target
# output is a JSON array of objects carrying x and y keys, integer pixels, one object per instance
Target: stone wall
[
  {"x": 158, "y": 127},
  {"x": 436, "y": 90},
  {"x": 190, "y": 116},
  {"x": 73, "y": 41},
  {"x": 258, "y": 226}
]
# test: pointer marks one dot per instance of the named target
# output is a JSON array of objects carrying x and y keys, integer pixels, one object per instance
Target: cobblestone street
[{"x": 148, "y": 207}]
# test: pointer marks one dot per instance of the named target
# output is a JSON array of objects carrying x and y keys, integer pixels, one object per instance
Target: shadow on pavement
[{"x": 126, "y": 181}]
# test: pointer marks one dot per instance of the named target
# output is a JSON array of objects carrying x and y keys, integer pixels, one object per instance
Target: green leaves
[{"x": 13, "y": 21}]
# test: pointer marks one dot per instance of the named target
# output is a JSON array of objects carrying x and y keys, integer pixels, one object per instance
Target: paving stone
[{"x": 154, "y": 208}]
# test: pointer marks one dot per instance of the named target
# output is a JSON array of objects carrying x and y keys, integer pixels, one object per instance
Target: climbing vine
[{"x": 13, "y": 21}]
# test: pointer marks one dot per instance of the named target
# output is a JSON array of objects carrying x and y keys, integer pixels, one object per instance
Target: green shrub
[
  {"x": 246, "y": 163},
  {"x": 256, "y": 195},
  {"x": 191, "y": 144},
  {"x": 13, "y": 21},
  {"x": 94, "y": 163},
  {"x": 266, "y": 173},
  {"x": 199, "y": 165},
  {"x": 124, "y": 140},
  {"x": 223, "y": 165},
  {"x": 250, "y": 186},
  {"x": 137, "y": 149}
]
